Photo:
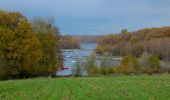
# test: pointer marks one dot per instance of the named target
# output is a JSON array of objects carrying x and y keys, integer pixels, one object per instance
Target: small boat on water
[
  {"x": 65, "y": 68},
  {"x": 73, "y": 61}
]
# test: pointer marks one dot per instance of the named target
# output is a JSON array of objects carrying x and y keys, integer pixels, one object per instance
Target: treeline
[
  {"x": 69, "y": 42},
  {"x": 155, "y": 41},
  {"x": 74, "y": 41},
  {"x": 86, "y": 38},
  {"x": 28, "y": 48}
]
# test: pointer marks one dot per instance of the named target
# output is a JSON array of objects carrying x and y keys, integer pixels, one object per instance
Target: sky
[{"x": 95, "y": 17}]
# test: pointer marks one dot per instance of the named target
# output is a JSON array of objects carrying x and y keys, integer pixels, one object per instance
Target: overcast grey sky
[{"x": 91, "y": 17}]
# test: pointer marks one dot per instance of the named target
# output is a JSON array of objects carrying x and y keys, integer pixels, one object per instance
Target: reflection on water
[{"x": 71, "y": 55}]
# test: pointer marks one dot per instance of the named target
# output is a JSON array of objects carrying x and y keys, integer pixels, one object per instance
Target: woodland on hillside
[
  {"x": 155, "y": 41},
  {"x": 87, "y": 38},
  {"x": 69, "y": 42},
  {"x": 74, "y": 41}
]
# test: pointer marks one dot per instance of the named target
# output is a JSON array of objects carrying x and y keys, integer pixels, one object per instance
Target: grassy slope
[{"x": 100, "y": 88}]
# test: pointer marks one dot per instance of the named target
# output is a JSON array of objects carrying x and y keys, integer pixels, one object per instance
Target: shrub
[
  {"x": 78, "y": 67},
  {"x": 143, "y": 60},
  {"x": 149, "y": 63},
  {"x": 106, "y": 65},
  {"x": 153, "y": 65},
  {"x": 90, "y": 64},
  {"x": 128, "y": 65},
  {"x": 111, "y": 70},
  {"x": 4, "y": 73},
  {"x": 165, "y": 67},
  {"x": 154, "y": 61},
  {"x": 103, "y": 71}
]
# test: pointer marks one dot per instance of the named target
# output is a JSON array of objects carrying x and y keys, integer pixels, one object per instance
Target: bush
[
  {"x": 153, "y": 65},
  {"x": 103, "y": 71},
  {"x": 78, "y": 67},
  {"x": 90, "y": 64},
  {"x": 154, "y": 62},
  {"x": 143, "y": 60},
  {"x": 4, "y": 73},
  {"x": 128, "y": 65},
  {"x": 106, "y": 65},
  {"x": 149, "y": 63}
]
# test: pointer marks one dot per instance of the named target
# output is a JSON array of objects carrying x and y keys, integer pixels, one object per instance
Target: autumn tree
[
  {"x": 48, "y": 35},
  {"x": 19, "y": 46},
  {"x": 28, "y": 49}
]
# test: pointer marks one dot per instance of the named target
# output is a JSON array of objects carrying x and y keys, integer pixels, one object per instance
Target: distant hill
[
  {"x": 155, "y": 41},
  {"x": 86, "y": 38},
  {"x": 69, "y": 42}
]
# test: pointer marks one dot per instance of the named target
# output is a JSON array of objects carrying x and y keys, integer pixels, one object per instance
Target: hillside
[
  {"x": 155, "y": 41},
  {"x": 87, "y": 38},
  {"x": 69, "y": 42}
]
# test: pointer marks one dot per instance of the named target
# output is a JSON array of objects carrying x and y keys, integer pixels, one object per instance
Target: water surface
[{"x": 71, "y": 55}]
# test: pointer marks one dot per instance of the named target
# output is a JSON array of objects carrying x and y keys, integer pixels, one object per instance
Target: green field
[{"x": 88, "y": 88}]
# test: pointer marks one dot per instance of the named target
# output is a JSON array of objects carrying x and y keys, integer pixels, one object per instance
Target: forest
[
  {"x": 155, "y": 41},
  {"x": 74, "y": 41},
  {"x": 87, "y": 38},
  {"x": 69, "y": 42}
]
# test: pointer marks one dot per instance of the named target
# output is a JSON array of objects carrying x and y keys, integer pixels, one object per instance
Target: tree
[
  {"x": 28, "y": 50},
  {"x": 48, "y": 35},
  {"x": 124, "y": 31},
  {"x": 19, "y": 47},
  {"x": 160, "y": 47}
]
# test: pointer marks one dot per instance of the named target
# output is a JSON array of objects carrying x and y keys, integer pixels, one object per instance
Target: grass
[{"x": 88, "y": 88}]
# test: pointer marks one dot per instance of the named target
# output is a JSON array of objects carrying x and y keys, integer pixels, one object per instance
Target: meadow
[{"x": 142, "y": 87}]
